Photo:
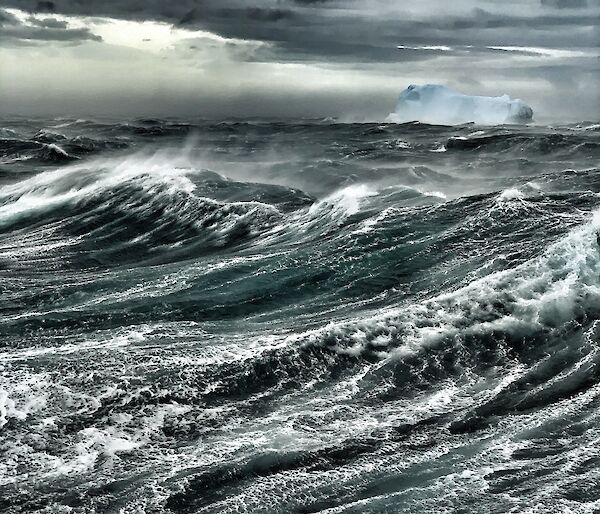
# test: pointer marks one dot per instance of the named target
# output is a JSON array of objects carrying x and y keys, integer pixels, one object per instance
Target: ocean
[{"x": 298, "y": 316}]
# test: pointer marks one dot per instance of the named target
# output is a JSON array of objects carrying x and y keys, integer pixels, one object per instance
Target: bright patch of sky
[{"x": 153, "y": 36}]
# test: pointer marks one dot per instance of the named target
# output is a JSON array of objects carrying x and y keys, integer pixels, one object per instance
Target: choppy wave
[{"x": 298, "y": 317}]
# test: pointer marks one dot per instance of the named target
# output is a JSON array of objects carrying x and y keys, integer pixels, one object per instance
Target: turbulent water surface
[{"x": 298, "y": 317}]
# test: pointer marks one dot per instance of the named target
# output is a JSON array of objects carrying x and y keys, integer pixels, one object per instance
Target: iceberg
[{"x": 437, "y": 104}]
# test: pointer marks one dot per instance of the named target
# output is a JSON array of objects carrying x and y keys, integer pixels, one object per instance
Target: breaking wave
[{"x": 298, "y": 317}]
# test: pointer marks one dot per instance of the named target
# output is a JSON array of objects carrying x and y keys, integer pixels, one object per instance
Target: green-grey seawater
[{"x": 304, "y": 316}]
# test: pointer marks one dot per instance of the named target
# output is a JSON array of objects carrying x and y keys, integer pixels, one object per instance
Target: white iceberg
[{"x": 437, "y": 104}]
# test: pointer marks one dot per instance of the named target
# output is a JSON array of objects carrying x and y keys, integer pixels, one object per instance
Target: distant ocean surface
[{"x": 298, "y": 317}]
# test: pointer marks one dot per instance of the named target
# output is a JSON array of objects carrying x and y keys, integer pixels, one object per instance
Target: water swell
[
  {"x": 133, "y": 206},
  {"x": 495, "y": 321},
  {"x": 417, "y": 332},
  {"x": 52, "y": 148},
  {"x": 558, "y": 287},
  {"x": 16, "y": 150},
  {"x": 530, "y": 144},
  {"x": 536, "y": 345}
]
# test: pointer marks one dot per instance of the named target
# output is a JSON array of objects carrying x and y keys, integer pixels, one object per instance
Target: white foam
[
  {"x": 510, "y": 194},
  {"x": 121, "y": 340},
  {"x": 539, "y": 295},
  {"x": 19, "y": 399},
  {"x": 70, "y": 183},
  {"x": 346, "y": 201},
  {"x": 56, "y": 148},
  {"x": 399, "y": 143}
]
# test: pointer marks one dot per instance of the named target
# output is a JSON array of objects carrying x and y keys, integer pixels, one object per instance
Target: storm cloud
[
  {"x": 482, "y": 47},
  {"x": 13, "y": 28}
]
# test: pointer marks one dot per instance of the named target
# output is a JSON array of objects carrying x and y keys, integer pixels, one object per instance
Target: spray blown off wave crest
[{"x": 299, "y": 317}]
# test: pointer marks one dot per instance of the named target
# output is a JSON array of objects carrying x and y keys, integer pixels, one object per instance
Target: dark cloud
[
  {"x": 352, "y": 31},
  {"x": 255, "y": 13},
  {"x": 7, "y": 19},
  {"x": 442, "y": 41},
  {"x": 565, "y": 4},
  {"x": 48, "y": 23},
  {"x": 50, "y": 29},
  {"x": 25, "y": 33},
  {"x": 45, "y": 6},
  {"x": 198, "y": 16}
]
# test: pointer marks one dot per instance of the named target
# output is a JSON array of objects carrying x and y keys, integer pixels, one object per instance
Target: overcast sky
[{"x": 344, "y": 58}]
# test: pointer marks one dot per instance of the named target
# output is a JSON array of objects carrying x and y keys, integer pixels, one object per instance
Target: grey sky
[{"x": 293, "y": 57}]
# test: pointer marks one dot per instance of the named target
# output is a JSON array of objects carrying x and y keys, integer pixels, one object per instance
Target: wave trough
[{"x": 298, "y": 317}]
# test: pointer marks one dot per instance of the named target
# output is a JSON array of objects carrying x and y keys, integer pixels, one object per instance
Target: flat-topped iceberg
[{"x": 437, "y": 104}]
